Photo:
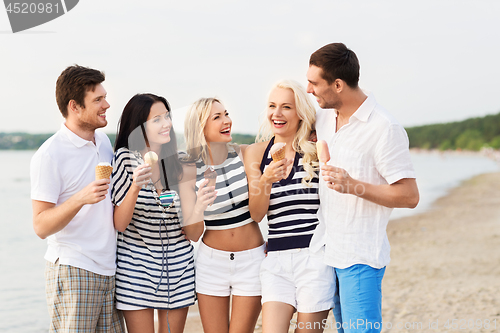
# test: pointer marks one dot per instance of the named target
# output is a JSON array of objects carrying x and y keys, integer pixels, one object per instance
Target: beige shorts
[{"x": 81, "y": 301}]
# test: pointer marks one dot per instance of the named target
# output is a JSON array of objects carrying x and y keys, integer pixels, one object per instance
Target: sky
[{"x": 426, "y": 62}]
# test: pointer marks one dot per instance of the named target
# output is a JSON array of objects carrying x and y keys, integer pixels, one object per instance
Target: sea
[{"x": 22, "y": 288}]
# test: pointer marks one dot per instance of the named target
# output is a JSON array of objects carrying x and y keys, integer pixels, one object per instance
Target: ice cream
[
  {"x": 103, "y": 170},
  {"x": 278, "y": 151},
  {"x": 323, "y": 153},
  {"x": 211, "y": 175},
  {"x": 150, "y": 158}
]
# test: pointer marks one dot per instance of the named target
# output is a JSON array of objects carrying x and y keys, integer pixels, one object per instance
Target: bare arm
[
  {"x": 123, "y": 213},
  {"x": 194, "y": 203},
  {"x": 49, "y": 219},
  {"x": 401, "y": 194},
  {"x": 260, "y": 185},
  {"x": 241, "y": 153}
]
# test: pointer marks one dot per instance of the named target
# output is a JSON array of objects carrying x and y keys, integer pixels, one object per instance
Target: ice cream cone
[
  {"x": 103, "y": 171},
  {"x": 150, "y": 158},
  {"x": 278, "y": 151},
  {"x": 211, "y": 175}
]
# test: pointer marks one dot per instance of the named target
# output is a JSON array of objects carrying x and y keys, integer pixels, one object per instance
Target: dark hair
[
  {"x": 337, "y": 62},
  {"x": 73, "y": 84},
  {"x": 132, "y": 135}
]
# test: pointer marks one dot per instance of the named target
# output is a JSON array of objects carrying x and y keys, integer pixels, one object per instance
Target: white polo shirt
[
  {"x": 61, "y": 167},
  {"x": 373, "y": 148}
]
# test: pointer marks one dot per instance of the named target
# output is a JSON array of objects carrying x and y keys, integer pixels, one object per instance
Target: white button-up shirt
[
  {"x": 372, "y": 148},
  {"x": 61, "y": 167}
]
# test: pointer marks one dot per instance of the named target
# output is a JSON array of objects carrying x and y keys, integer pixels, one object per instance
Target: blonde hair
[
  {"x": 194, "y": 130},
  {"x": 307, "y": 115}
]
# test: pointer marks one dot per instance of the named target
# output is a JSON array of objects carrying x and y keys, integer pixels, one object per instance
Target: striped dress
[
  {"x": 230, "y": 208},
  {"x": 155, "y": 263},
  {"x": 293, "y": 207}
]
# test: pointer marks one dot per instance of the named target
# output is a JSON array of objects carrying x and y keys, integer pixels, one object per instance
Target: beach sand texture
[
  {"x": 445, "y": 265},
  {"x": 446, "y": 262}
]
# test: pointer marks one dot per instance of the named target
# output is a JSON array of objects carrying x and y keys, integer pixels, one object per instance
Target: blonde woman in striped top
[
  {"x": 293, "y": 278},
  {"x": 232, "y": 248}
]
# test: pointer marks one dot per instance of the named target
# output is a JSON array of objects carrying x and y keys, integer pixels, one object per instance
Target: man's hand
[
  {"x": 339, "y": 180},
  {"x": 49, "y": 219},
  {"x": 93, "y": 192},
  {"x": 401, "y": 194}
]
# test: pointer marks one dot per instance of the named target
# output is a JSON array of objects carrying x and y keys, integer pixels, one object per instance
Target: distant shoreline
[{"x": 490, "y": 153}]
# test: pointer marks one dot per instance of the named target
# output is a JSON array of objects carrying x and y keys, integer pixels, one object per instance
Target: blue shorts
[{"x": 358, "y": 300}]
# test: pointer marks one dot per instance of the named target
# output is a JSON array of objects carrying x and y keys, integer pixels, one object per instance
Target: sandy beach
[{"x": 444, "y": 275}]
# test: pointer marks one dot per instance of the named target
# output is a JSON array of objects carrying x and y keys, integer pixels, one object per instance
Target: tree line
[{"x": 469, "y": 134}]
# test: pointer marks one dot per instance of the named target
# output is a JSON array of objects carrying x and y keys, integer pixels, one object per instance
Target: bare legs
[
  {"x": 142, "y": 321},
  {"x": 276, "y": 318},
  {"x": 214, "y": 312},
  {"x": 244, "y": 313},
  {"x": 311, "y": 322}
]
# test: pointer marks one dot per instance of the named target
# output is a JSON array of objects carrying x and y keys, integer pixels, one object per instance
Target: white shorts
[
  {"x": 299, "y": 278},
  {"x": 222, "y": 273}
]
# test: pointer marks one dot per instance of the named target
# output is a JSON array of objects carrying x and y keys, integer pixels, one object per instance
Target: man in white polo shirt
[
  {"x": 74, "y": 211},
  {"x": 369, "y": 173}
]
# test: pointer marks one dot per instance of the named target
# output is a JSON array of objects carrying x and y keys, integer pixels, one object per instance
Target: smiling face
[
  {"x": 158, "y": 124},
  {"x": 93, "y": 114},
  {"x": 282, "y": 112},
  {"x": 218, "y": 126},
  {"x": 326, "y": 94}
]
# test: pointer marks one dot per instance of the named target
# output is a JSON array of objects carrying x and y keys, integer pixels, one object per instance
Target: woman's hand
[
  {"x": 141, "y": 175},
  {"x": 185, "y": 236},
  {"x": 276, "y": 171},
  {"x": 204, "y": 196}
]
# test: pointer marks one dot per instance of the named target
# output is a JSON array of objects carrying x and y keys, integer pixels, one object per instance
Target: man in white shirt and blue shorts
[
  {"x": 369, "y": 173},
  {"x": 74, "y": 211}
]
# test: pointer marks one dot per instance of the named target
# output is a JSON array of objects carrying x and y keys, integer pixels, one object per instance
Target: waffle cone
[
  {"x": 211, "y": 175},
  {"x": 103, "y": 172},
  {"x": 279, "y": 154},
  {"x": 211, "y": 182}
]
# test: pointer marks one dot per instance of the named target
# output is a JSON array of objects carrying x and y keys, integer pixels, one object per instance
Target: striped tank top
[
  {"x": 293, "y": 207},
  {"x": 230, "y": 208}
]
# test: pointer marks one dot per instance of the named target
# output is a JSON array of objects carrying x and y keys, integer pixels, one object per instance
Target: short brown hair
[
  {"x": 337, "y": 62},
  {"x": 73, "y": 84}
]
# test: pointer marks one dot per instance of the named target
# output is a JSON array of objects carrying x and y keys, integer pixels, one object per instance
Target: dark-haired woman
[{"x": 155, "y": 265}]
